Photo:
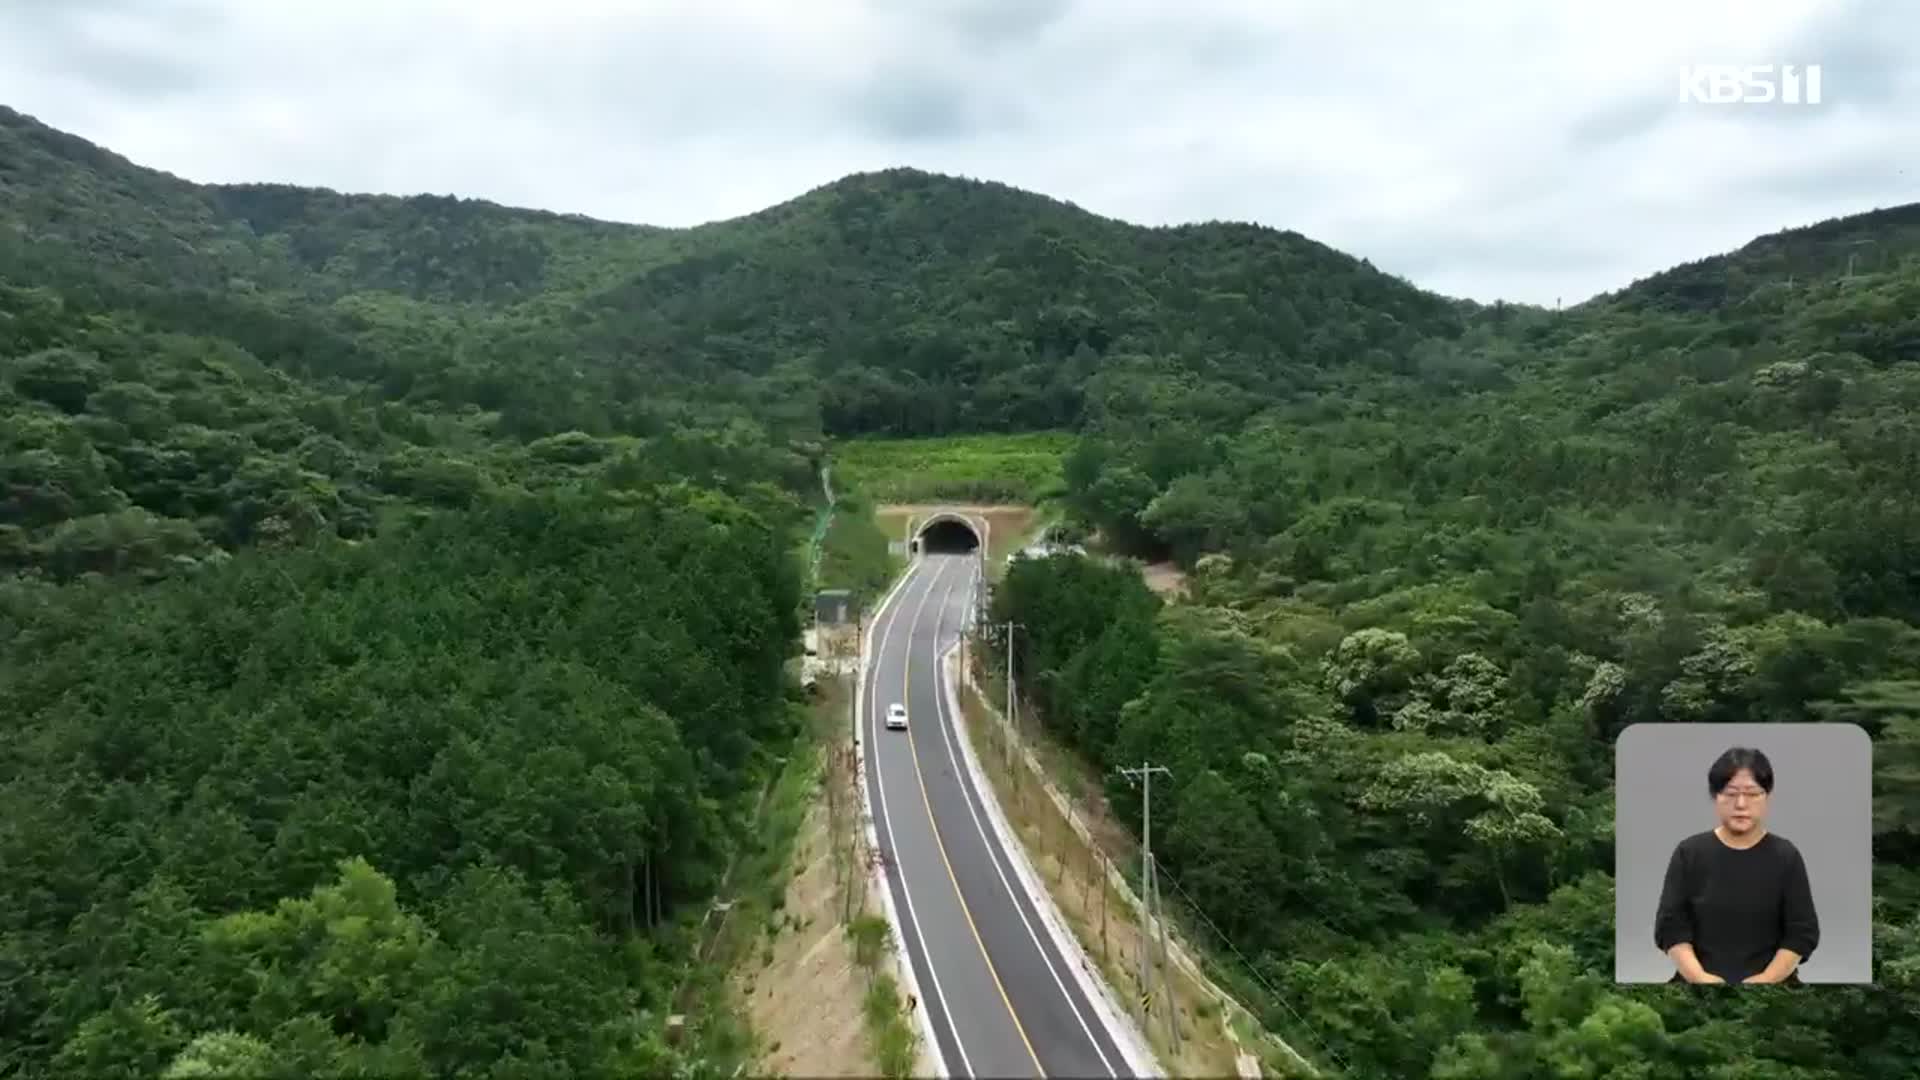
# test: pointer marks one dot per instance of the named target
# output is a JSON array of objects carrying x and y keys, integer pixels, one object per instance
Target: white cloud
[{"x": 1504, "y": 149}]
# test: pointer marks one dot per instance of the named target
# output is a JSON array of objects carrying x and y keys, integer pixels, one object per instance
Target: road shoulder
[
  {"x": 1140, "y": 1060},
  {"x": 931, "y": 1062}
]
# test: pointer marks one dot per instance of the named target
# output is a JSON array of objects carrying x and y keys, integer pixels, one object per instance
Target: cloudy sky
[{"x": 1530, "y": 150}]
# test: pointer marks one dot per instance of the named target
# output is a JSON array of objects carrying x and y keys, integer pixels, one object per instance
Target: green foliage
[
  {"x": 162, "y": 475},
  {"x": 870, "y": 934},
  {"x": 529, "y": 715},
  {"x": 894, "y": 1046},
  {"x": 854, "y": 554},
  {"x": 1426, "y": 605},
  {"x": 331, "y": 748},
  {"x": 1424, "y": 608},
  {"x": 893, "y": 303},
  {"x": 1412, "y": 844}
]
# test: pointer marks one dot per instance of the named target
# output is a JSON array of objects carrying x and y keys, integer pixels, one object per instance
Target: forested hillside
[
  {"x": 396, "y": 591},
  {"x": 397, "y": 807},
  {"x": 1423, "y": 608},
  {"x": 896, "y": 302},
  {"x": 347, "y": 731},
  {"x": 299, "y": 358}
]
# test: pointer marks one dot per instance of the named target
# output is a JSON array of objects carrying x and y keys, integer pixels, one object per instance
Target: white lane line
[
  {"x": 877, "y": 874},
  {"x": 938, "y": 837},
  {"x": 906, "y": 893},
  {"x": 947, "y": 735},
  {"x": 1098, "y": 992},
  {"x": 1112, "y": 1016}
]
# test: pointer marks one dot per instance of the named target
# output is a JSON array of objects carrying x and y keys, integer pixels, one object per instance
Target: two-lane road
[{"x": 999, "y": 996}]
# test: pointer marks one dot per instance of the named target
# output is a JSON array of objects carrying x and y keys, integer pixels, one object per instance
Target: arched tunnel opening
[{"x": 948, "y": 536}]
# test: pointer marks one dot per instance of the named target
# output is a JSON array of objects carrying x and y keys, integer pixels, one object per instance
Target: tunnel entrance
[{"x": 948, "y": 536}]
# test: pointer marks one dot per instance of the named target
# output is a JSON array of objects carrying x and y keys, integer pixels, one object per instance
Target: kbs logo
[{"x": 1765, "y": 84}]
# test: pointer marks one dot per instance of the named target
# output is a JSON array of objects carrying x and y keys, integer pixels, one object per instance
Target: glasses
[{"x": 1737, "y": 794}]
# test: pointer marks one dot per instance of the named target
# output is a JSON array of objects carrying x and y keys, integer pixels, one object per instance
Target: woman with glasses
[{"x": 1736, "y": 906}]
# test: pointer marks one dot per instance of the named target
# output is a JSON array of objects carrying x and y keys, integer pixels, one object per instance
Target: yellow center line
[{"x": 937, "y": 841}]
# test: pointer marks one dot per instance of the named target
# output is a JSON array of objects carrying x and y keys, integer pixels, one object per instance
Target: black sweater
[{"x": 1737, "y": 907}]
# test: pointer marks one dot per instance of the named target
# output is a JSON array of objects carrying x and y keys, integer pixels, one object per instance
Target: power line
[
  {"x": 1153, "y": 916},
  {"x": 1194, "y": 907}
]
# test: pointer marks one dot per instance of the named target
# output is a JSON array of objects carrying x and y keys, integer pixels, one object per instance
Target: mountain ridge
[
  {"x": 919, "y": 301},
  {"x": 268, "y": 209},
  {"x": 1437, "y": 557}
]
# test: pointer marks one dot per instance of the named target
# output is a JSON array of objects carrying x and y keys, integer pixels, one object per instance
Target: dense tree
[
  {"x": 533, "y": 721},
  {"x": 1421, "y": 611},
  {"x": 396, "y": 593}
]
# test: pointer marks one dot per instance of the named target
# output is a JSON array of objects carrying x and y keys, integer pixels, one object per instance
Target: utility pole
[
  {"x": 1103, "y": 907},
  {"x": 859, "y": 675},
  {"x": 982, "y": 594},
  {"x": 1166, "y": 982},
  {"x": 1014, "y": 724},
  {"x": 977, "y": 605},
  {"x": 1851, "y": 255},
  {"x": 1149, "y": 899}
]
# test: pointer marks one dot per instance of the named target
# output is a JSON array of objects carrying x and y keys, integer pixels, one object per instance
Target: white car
[{"x": 896, "y": 717}]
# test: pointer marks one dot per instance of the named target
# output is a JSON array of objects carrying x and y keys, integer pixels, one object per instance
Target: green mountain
[
  {"x": 900, "y": 301},
  {"x": 1832, "y": 250},
  {"x": 400, "y": 348},
  {"x": 1426, "y": 597},
  {"x": 1439, "y": 555},
  {"x": 341, "y": 730}
]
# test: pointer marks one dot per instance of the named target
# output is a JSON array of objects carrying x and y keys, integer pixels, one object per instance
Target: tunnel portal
[{"x": 947, "y": 536}]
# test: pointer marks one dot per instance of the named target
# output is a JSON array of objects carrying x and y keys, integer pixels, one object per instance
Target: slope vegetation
[
  {"x": 287, "y": 474},
  {"x": 1423, "y": 609}
]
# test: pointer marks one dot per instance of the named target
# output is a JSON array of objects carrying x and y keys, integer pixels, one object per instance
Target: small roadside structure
[{"x": 832, "y": 606}]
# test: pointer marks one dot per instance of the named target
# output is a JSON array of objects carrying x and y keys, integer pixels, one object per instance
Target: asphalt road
[{"x": 1000, "y": 998}]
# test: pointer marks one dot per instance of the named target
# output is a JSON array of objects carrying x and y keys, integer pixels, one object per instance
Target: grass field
[
  {"x": 970, "y": 468},
  {"x": 854, "y": 552}
]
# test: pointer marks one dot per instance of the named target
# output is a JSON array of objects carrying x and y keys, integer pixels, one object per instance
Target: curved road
[{"x": 1000, "y": 998}]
